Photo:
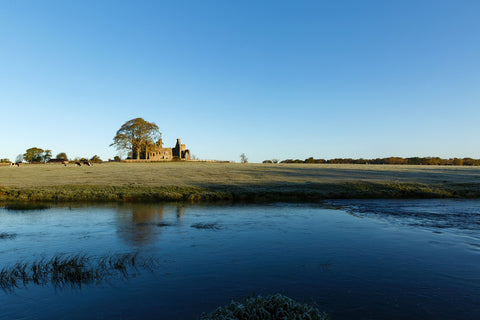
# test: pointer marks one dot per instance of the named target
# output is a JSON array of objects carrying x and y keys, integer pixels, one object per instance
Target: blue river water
[{"x": 362, "y": 259}]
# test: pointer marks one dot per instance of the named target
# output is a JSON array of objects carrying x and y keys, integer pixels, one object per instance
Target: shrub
[{"x": 96, "y": 159}]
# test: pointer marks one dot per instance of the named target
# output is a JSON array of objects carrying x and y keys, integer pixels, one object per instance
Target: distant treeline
[{"x": 432, "y": 161}]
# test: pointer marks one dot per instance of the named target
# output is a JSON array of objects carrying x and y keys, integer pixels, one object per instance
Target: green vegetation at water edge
[{"x": 254, "y": 193}]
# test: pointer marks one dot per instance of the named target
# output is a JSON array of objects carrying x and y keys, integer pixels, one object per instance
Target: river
[{"x": 356, "y": 259}]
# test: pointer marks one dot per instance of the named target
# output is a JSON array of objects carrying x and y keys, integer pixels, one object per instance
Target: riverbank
[{"x": 195, "y": 182}]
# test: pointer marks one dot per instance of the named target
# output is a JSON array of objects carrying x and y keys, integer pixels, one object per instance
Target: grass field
[{"x": 201, "y": 181}]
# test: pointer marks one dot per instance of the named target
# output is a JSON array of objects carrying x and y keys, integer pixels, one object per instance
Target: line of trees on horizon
[
  {"x": 38, "y": 155},
  {"x": 432, "y": 161}
]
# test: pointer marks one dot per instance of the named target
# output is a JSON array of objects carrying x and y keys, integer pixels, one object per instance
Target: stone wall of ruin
[{"x": 156, "y": 152}]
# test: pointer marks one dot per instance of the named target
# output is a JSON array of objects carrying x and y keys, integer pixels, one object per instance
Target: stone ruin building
[{"x": 156, "y": 152}]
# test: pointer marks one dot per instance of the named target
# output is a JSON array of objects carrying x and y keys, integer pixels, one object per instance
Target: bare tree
[{"x": 243, "y": 158}]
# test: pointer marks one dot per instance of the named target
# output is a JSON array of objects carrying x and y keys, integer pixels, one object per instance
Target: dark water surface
[{"x": 375, "y": 259}]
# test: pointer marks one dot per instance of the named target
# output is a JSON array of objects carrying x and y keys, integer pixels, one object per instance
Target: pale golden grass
[
  {"x": 201, "y": 173},
  {"x": 186, "y": 179}
]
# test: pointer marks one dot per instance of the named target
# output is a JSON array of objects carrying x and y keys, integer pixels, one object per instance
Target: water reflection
[
  {"x": 180, "y": 211},
  {"x": 141, "y": 224}
]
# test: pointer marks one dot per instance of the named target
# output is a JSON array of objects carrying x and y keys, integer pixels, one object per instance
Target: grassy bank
[{"x": 233, "y": 182}]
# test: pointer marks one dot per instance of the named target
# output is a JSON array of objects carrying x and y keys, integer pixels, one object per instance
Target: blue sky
[{"x": 271, "y": 79}]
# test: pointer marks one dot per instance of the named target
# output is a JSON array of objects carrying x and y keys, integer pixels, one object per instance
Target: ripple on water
[{"x": 435, "y": 215}]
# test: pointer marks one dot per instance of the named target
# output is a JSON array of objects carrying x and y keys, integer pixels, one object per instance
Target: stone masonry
[{"x": 156, "y": 152}]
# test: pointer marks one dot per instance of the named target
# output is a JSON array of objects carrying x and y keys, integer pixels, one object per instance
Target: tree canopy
[
  {"x": 394, "y": 160},
  {"x": 96, "y": 159},
  {"x": 135, "y": 136},
  {"x": 47, "y": 155},
  {"x": 62, "y": 155},
  {"x": 37, "y": 155}
]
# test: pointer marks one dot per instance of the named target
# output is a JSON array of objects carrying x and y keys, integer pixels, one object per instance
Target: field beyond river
[{"x": 204, "y": 181}]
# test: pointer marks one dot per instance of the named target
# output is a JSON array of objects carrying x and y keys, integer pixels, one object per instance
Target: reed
[
  {"x": 72, "y": 271},
  {"x": 266, "y": 308}
]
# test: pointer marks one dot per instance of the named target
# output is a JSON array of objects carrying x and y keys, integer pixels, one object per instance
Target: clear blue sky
[{"x": 272, "y": 79}]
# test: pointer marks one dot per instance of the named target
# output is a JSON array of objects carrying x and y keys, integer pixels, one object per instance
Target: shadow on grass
[
  {"x": 316, "y": 192},
  {"x": 73, "y": 271}
]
